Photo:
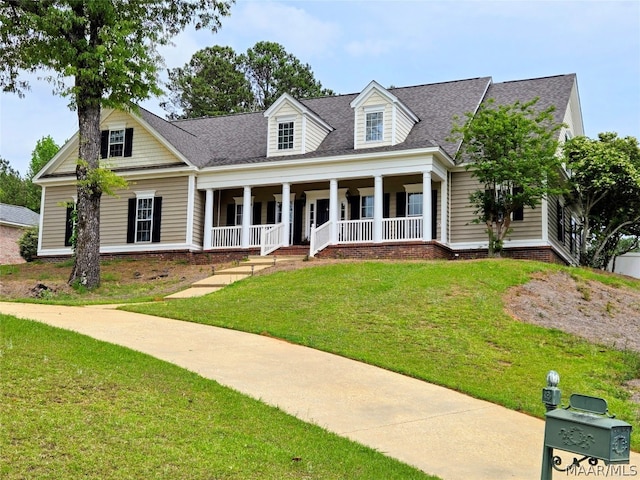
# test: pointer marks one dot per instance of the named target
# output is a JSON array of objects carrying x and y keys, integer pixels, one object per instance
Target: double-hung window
[
  {"x": 366, "y": 209},
  {"x": 285, "y": 135},
  {"x": 374, "y": 126},
  {"x": 239, "y": 210},
  {"x": 414, "y": 204},
  {"x": 116, "y": 143},
  {"x": 144, "y": 219}
]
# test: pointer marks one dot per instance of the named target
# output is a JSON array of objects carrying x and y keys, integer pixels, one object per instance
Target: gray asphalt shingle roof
[
  {"x": 18, "y": 215},
  {"x": 242, "y": 138}
]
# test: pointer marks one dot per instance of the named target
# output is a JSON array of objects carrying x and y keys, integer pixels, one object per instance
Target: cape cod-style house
[{"x": 370, "y": 174}]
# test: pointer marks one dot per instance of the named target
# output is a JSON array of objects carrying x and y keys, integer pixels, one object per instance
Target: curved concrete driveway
[{"x": 440, "y": 431}]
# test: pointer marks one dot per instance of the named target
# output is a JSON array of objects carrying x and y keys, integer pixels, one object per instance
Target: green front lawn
[
  {"x": 443, "y": 322},
  {"x": 74, "y": 407}
]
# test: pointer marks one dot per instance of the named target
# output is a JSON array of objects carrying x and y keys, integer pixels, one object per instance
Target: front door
[{"x": 322, "y": 216}]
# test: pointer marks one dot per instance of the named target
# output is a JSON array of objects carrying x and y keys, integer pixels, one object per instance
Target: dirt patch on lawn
[
  {"x": 592, "y": 310},
  {"x": 120, "y": 278}
]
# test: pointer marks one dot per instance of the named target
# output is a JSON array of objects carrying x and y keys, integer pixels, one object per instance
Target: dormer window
[
  {"x": 285, "y": 135},
  {"x": 380, "y": 118},
  {"x": 374, "y": 126}
]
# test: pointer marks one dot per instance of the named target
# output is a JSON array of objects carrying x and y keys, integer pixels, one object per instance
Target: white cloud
[{"x": 304, "y": 35}]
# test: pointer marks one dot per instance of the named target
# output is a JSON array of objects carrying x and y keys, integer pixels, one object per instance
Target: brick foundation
[{"x": 386, "y": 251}]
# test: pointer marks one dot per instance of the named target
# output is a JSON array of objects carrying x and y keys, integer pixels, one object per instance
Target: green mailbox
[
  {"x": 584, "y": 428},
  {"x": 581, "y": 430}
]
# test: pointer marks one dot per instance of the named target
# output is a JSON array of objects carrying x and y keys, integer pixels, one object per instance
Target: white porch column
[
  {"x": 246, "y": 217},
  {"x": 208, "y": 218},
  {"x": 426, "y": 206},
  {"x": 333, "y": 210},
  {"x": 444, "y": 208},
  {"x": 378, "y": 197},
  {"x": 286, "y": 209}
]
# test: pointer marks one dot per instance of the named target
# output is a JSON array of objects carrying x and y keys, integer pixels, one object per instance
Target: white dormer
[
  {"x": 293, "y": 129},
  {"x": 381, "y": 119}
]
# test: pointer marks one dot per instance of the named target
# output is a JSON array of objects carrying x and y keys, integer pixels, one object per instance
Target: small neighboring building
[
  {"x": 14, "y": 220},
  {"x": 628, "y": 264}
]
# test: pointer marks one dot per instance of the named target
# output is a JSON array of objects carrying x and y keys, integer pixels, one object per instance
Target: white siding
[
  {"x": 403, "y": 126},
  {"x": 54, "y": 213},
  {"x": 113, "y": 211},
  {"x": 463, "y": 229},
  {"x": 286, "y": 110},
  {"x": 147, "y": 150}
]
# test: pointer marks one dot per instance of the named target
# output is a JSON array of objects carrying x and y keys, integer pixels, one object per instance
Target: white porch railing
[
  {"x": 355, "y": 231},
  {"x": 231, "y": 237},
  {"x": 271, "y": 238},
  {"x": 226, "y": 237},
  {"x": 402, "y": 228},
  {"x": 320, "y": 238}
]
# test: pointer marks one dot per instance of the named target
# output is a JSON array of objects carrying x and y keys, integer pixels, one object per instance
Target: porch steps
[{"x": 227, "y": 276}]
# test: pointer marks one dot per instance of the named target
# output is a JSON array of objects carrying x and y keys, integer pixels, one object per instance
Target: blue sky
[{"x": 348, "y": 43}]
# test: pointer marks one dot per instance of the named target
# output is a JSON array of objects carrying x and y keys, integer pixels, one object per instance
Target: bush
[{"x": 28, "y": 244}]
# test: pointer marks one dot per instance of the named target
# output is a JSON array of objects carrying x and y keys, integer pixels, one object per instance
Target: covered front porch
[{"x": 381, "y": 209}]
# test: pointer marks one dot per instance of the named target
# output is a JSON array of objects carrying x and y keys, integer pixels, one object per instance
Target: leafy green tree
[
  {"x": 217, "y": 81},
  {"x": 109, "y": 50},
  {"x": 12, "y": 186},
  {"x": 511, "y": 151},
  {"x": 211, "y": 84},
  {"x": 605, "y": 185},
  {"x": 272, "y": 71},
  {"x": 44, "y": 151}
]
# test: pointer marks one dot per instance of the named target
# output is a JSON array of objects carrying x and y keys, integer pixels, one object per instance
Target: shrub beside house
[{"x": 14, "y": 220}]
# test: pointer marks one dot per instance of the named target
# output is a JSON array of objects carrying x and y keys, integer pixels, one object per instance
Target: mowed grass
[
  {"x": 74, "y": 407},
  {"x": 443, "y": 322}
]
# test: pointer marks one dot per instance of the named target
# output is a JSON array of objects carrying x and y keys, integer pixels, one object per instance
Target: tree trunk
[{"x": 86, "y": 268}]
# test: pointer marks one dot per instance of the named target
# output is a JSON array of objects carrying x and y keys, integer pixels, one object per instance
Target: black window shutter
[
  {"x": 271, "y": 212},
  {"x": 386, "y": 205},
  {"x": 68, "y": 226},
  {"x": 157, "y": 218},
  {"x": 231, "y": 214},
  {"x": 560, "y": 221},
  {"x": 434, "y": 214},
  {"x": 518, "y": 213},
  {"x": 257, "y": 213},
  {"x": 298, "y": 207},
  {"x": 401, "y": 204},
  {"x": 354, "y": 206},
  {"x": 131, "y": 220},
  {"x": 104, "y": 143},
  {"x": 128, "y": 142}
]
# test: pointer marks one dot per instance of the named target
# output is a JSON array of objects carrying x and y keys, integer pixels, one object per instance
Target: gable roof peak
[
  {"x": 302, "y": 108},
  {"x": 375, "y": 86}
]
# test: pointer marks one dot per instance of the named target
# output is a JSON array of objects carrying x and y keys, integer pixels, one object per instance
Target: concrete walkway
[
  {"x": 227, "y": 276},
  {"x": 440, "y": 431}
]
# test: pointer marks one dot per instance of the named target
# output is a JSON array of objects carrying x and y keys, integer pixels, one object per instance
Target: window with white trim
[
  {"x": 414, "y": 204},
  {"x": 144, "y": 219},
  {"x": 239, "y": 213},
  {"x": 374, "y": 126},
  {"x": 366, "y": 206},
  {"x": 285, "y": 135},
  {"x": 116, "y": 143}
]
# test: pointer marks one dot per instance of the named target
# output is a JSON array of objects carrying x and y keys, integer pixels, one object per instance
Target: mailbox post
[{"x": 584, "y": 428}]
